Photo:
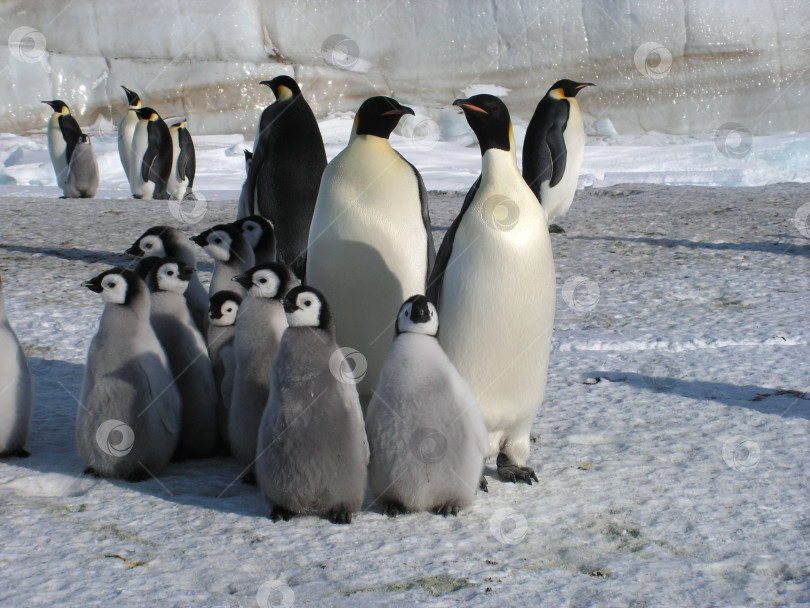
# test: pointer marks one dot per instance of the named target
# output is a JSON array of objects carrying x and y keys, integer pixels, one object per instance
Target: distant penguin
[
  {"x": 288, "y": 160},
  {"x": 259, "y": 328},
  {"x": 165, "y": 241},
  {"x": 244, "y": 206},
  {"x": 184, "y": 162},
  {"x": 151, "y": 156},
  {"x": 82, "y": 179},
  {"x": 129, "y": 411},
  {"x": 261, "y": 236},
  {"x": 63, "y": 135},
  {"x": 126, "y": 131},
  {"x": 222, "y": 314},
  {"x": 167, "y": 279},
  {"x": 231, "y": 252},
  {"x": 312, "y": 451},
  {"x": 370, "y": 244},
  {"x": 553, "y": 148},
  {"x": 494, "y": 286},
  {"x": 425, "y": 431},
  {"x": 16, "y": 390}
]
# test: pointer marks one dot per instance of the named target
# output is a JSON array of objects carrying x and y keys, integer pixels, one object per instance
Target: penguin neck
[
  {"x": 136, "y": 313},
  {"x": 495, "y": 161},
  {"x": 372, "y": 141}
]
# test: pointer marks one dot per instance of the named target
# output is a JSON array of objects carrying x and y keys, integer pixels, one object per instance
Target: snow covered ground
[{"x": 671, "y": 449}]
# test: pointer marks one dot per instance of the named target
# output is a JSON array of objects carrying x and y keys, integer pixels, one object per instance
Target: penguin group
[{"x": 336, "y": 351}]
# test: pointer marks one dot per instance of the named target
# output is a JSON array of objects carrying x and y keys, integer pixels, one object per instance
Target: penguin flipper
[
  {"x": 186, "y": 162},
  {"x": 434, "y": 286},
  {"x": 149, "y": 368},
  {"x": 71, "y": 132},
  {"x": 424, "y": 202},
  {"x": 558, "y": 151},
  {"x": 260, "y": 155}
]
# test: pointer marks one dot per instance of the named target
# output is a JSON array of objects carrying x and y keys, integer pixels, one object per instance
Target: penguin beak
[
  {"x": 582, "y": 85},
  {"x": 50, "y": 103},
  {"x": 201, "y": 239},
  {"x": 400, "y": 111},
  {"x": 267, "y": 83},
  {"x": 185, "y": 273},
  {"x": 289, "y": 306},
  {"x": 420, "y": 314},
  {"x": 134, "y": 250},
  {"x": 93, "y": 285},
  {"x": 464, "y": 104},
  {"x": 244, "y": 280}
]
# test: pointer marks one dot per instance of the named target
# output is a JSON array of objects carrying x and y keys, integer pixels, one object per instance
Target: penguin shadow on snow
[
  {"x": 756, "y": 246},
  {"x": 73, "y": 254},
  {"x": 782, "y": 402}
]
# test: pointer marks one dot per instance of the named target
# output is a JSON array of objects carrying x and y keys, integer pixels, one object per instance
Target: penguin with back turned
[
  {"x": 554, "y": 147},
  {"x": 82, "y": 181},
  {"x": 285, "y": 171},
  {"x": 126, "y": 130},
  {"x": 184, "y": 162},
  {"x": 63, "y": 135},
  {"x": 494, "y": 286},
  {"x": 151, "y": 156}
]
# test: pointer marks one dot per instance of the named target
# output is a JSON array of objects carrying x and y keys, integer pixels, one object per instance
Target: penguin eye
[
  {"x": 307, "y": 302},
  {"x": 147, "y": 245},
  {"x": 229, "y": 310},
  {"x": 170, "y": 273},
  {"x": 250, "y": 227},
  {"x": 430, "y": 312},
  {"x": 407, "y": 313},
  {"x": 217, "y": 240},
  {"x": 262, "y": 281}
]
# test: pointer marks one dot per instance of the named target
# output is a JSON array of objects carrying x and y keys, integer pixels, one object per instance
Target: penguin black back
[{"x": 71, "y": 131}]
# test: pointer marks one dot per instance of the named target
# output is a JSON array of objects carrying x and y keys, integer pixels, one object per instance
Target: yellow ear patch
[
  {"x": 284, "y": 93},
  {"x": 557, "y": 94}
]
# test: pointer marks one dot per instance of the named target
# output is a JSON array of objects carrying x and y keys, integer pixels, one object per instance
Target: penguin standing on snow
[
  {"x": 151, "y": 156},
  {"x": 288, "y": 160},
  {"x": 494, "y": 286},
  {"x": 222, "y": 314},
  {"x": 312, "y": 451},
  {"x": 63, "y": 135},
  {"x": 16, "y": 390},
  {"x": 232, "y": 256},
  {"x": 82, "y": 181},
  {"x": 425, "y": 431},
  {"x": 370, "y": 243},
  {"x": 126, "y": 130},
  {"x": 553, "y": 148},
  {"x": 184, "y": 163}
]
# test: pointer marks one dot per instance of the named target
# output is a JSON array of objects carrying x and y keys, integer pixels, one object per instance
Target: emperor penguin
[
  {"x": 261, "y": 236},
  {"x": 151, "y": 156},
  {"x": 167, "y": 279},
  {"x": 63, "y": 135},
  {"x": 82, "y": 181},
  {"x": 312, "y": 452},
  {"x": 129, "y": 411},
  {"x": 222, "y": 314},
  {"x": 425, "y": 430},
  {"x": 370, "y": 244},
  {"x": 231, "y": 252},
  {"x": 126, "y": 130},
  {"x": 165, "y": 241},
  {"x": 259, "y": 328},
  {"x": 288, "y": 160},
  {"x": 554, "y": 147},
  {"x": 184, "y": 162},
  {"x": 494, "y": 286},
  {"x": 16, "y": 390},
  {"x": 244, "y": 206}
]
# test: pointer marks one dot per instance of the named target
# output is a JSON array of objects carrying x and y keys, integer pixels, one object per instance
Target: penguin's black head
[
  {"x": 223, "y": 307},
  {"x": 489, "y": 119},
  {"x": 258, "y": 231},
  {"x": 59, "y": 106},
  {"x": 570, "y": 88},
  {"x": 155, "y": 242},
  {"x": 132, "y": 97},
  {"x": 418, "y": 316},
  {"x": 147, "y": 114},
  {"x": 270, "y": 280},
  {"x": 248, "y": 156},
  {"x": 379, "y": 116},
  {"x": 306, "y": 307},
  {"x": 117, "y": 286},
  {"x": 283, "y": 87}
]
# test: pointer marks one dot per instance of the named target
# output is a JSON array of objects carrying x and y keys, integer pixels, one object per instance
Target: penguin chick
[
  {"x": 425, "y": 430},
  {"x": 16, "y": 389},
  {"x": 129, "y": 411},
  {"x": 82, "y": 181},
  {"x": 312, "y": 452},
  {"x": 232, "y": 255},
  {"x": 262, "y": 237},
  {"x": 222, "y": 314}
]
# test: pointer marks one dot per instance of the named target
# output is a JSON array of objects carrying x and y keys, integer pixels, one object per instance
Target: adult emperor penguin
[
  {"x": 63, "y": 135},
  {"x": 129, "y": 411},
  {"x": 231, "y": 252},
  {"x": 165, "y": 241},
  {"x": 82, "y": 181},
  {"x": 126, "y": 130},
  {"x": 494, "y": 286},
  {"x": 222, "y": 314},
  {"x": 261, "y": 236},
  {"x": 553, "y": 148},
  {"x": 151, "y": 156},
  {"x": 167, "y": 279},
  {"x": 312, "y": 452},
  {"x": 370, "y": 244},
  {"x": 245, "y": 204},
  {"x": 425, "y": 431},
  {"x": 259, "y": 328},
  {"x": 16, "y": 390},
  {"x": 184, "y": 162},
  {"x": 288, "y": 160}
]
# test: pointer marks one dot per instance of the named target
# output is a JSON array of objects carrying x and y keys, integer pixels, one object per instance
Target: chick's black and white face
[
  {"x": 219, "y": 245},
  {"x": 308, "y": 311},
  {"x": 253, "y": 233},
  {"x": 418, "y": 317},
  {"x": 227, "y": 314},
  {"x": 168, "y": 278},
  {"x": 152, "y": 246},
  {"x": 114, "y": 289},
  {"x": 265, "y": 284}
]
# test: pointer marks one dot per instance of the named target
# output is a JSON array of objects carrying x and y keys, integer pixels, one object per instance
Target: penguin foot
[
  {"x": 249, "y": 478},
  {"x": 278, "y": 513},
  {"x": 18, "y": 453},
  {"x": 136, "y": 476},
  {"x": 556, "y": 229},
  {"x": 340, "y": 515},
  {"x": 91, "y": 471},
  {"x": 483, "y": 485},
  {"x": 394, "y": 508},
  {"x": 513, "y": 473},
  {"x": 445, "y": 510}
]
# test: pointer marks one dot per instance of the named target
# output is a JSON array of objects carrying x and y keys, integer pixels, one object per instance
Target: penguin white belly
[
  {"x": 557, "y": 200},
  {"x": 140, "y": 142},
  {"x": 15, "y": 393},
  {"x": 126, "y": 130},
  {"x": 367, "y": 247},
  {"x": 497, "y": 306},
  {"x": 58, "y": 150}
]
